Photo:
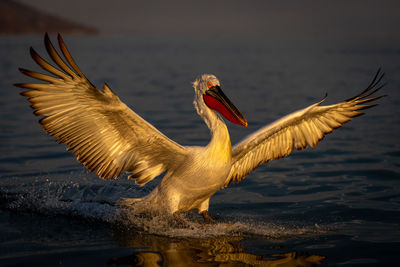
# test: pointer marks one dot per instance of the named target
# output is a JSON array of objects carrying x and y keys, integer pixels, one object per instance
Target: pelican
[{"x": 110, "y": 139}]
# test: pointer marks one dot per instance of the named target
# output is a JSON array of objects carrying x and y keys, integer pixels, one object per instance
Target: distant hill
[{"x": 17, "y": 18}]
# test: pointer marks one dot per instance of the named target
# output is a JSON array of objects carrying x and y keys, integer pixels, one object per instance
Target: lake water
[{"x": 334, "y": 205}]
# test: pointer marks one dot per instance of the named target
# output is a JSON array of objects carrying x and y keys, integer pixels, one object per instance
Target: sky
[{"x": 310, "y": 18}]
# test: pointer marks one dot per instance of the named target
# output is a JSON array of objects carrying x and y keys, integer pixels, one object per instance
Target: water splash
[{"x": 95, "y": 202}]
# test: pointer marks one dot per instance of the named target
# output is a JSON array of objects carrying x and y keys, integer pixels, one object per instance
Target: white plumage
[{"x": 110, "y": 139}]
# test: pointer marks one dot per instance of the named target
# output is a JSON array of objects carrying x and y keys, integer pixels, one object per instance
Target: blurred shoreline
[
  {"x": 367, "y": 20},
  {"x": 17, "y": 18}
]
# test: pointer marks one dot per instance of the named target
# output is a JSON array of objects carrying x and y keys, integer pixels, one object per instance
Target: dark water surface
[{"x": 335, "y": 205}]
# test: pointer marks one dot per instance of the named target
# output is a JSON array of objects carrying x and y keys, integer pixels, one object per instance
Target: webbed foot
[
  {"x": 206, "y": 216},
  {"x": 178, "y": 220},
  {"x": 127, "y": 202}
]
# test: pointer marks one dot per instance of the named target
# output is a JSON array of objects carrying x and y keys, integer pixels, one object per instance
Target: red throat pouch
[{"x": 218, "y": 106}]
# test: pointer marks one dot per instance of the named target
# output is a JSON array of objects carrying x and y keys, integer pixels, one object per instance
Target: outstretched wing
[
  {"x": 102, "y": 132},
  {"x": 299, "y": 129}
]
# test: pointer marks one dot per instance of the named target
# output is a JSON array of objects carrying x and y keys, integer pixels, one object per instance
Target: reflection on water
[
  {"x": 150, "y": 250},
  {"x": 349, "y": 183},
  {"x": 37, "y": 240}
]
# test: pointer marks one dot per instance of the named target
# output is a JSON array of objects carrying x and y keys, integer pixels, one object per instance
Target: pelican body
[
  {"x": 203, "y": 170},
  {"x": 110, "y": 139}
]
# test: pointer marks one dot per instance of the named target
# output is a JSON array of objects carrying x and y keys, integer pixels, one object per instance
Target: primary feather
[
  {"x": 102, "y": 132},
  {"x": 297, "y": 130},
  {"x": 110, "y": 139}
]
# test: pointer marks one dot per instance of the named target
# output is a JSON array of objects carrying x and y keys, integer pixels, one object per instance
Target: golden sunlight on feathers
[
  {"x": 102, "y": 132},
  {"x": 299, "y": 129},
  {"x": 110, "y": 139}
]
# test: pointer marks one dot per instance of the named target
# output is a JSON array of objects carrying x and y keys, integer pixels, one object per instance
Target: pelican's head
[{"x": 208, "y": 91}]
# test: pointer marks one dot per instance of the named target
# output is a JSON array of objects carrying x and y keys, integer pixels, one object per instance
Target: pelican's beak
[{"x": 217, "y": 100}]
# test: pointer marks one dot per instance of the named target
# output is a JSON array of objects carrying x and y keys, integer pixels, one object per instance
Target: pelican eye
[{"x": 209, "y": 84}]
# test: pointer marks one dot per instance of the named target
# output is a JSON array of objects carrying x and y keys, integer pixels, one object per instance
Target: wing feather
[
  {"x": 100, "y": 130},
  {"x": 299, "y": 129},
  {"x": 68, "y": 56}
]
